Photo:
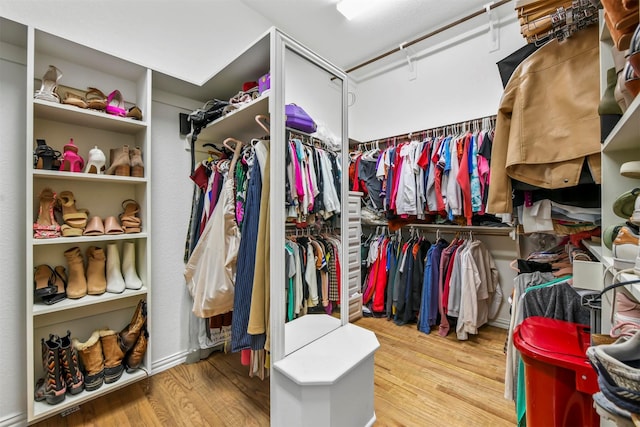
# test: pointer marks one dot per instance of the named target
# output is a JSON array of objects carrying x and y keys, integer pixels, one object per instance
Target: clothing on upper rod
[{"x": 446, "y": 175}]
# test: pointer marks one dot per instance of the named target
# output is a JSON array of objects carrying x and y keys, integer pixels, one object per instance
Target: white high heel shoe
[
  {"x": 49, "y": 85},
  {"x": 96, "y": 161}
]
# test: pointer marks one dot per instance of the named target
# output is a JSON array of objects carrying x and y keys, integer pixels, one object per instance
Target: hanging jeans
[{"x": 246, "y": 259}]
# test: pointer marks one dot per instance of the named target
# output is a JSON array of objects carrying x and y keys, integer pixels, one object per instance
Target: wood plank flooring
[{"x": 420, "y": 380}]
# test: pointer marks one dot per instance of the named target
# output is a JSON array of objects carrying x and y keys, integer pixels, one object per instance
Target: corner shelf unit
[{"x": 102, "y": 195}]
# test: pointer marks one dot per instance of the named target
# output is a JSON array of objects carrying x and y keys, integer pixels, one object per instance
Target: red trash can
[{"x": 559, "y": 380}]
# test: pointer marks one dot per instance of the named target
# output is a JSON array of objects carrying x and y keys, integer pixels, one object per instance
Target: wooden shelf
[
  {"x": 80, "y": 176},
  {"x": 43, "y": 410},
  {"x": 40, "y": 309},
  {"x": 84, "y": 117}
]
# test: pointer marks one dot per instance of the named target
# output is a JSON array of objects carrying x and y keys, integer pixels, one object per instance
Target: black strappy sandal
[{"x": 45, "y": 157}]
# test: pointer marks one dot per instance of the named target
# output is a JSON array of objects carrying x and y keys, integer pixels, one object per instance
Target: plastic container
[{"x": 559, "y": 379}]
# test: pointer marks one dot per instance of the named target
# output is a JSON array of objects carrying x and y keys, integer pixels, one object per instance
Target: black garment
[
  {"x": 526, "y": 266},
  {"x": 367, "y": 173},
  {"x": 560, "y": 302},
  {"x": 507, "y": 66}
]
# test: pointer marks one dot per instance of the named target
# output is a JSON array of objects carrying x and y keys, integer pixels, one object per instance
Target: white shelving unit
[
  {"x": 622, "y": 145},
  {"x": 102, "y": 195}
]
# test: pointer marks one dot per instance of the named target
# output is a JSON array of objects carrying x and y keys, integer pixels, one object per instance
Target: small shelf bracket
[
  {"x": 494, "y": 35},
  {"x": 413, "y": 67}
]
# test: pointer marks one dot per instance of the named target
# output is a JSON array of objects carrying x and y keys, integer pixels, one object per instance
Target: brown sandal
[{"x": 96, "y": 100}]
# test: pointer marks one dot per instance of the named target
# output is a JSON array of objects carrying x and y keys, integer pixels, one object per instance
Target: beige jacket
[
  {"x": 548, "y": 121},
  {"x": 210, "y": 274}
]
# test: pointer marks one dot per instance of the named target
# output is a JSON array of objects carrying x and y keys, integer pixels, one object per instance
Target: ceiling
[{"x": 318, "y": 25}]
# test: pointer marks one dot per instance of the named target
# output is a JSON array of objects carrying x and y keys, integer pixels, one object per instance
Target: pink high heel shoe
[
  {"x": 115, "y": 104},
  {"x": 71, "y": 160}
]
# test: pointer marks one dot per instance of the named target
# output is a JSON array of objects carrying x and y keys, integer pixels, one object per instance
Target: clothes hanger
[
  {"x": 266, "y": 125},
  {"x": 236, "y": 151}
]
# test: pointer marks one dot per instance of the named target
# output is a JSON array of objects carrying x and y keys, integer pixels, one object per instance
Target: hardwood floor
[{"x": 420, "y": 380}]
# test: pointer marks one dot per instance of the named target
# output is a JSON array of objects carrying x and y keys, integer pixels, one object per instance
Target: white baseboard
[
  {"x": 500, "y": 323},
  {"x": 168, "y": 362},
  {"x": 15, "y": 420}
]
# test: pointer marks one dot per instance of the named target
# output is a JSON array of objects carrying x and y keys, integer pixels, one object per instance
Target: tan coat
[{"x": 548, "y": 120}]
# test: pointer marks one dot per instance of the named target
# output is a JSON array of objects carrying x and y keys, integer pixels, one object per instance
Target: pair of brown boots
[
  {"x": 106, "y": 353},
  {"x": 94, "y": 282},
  {"x": 125, "y": 161}
]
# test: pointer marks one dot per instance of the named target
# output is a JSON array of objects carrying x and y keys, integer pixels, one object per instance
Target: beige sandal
[
  {"x": 96, "y": 100},
  {"x": 75, "y": 99},
  {"x": 130, "y": 222},
  {"x": 71, "y": 215}
]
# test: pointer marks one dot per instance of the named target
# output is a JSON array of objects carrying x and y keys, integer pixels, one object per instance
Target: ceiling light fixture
[{"x": 352, "y": 8}]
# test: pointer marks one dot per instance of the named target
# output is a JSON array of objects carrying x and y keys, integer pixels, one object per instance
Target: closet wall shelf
[
  {"x": 445, "y": 228},
  {"x": 68, "y": 304},
  {"x": 594, "y": 248},
  {"x": 42, "y": 410},
  {"x": 89, "y": 239},
  {"x": 237, "y": 124},
  {"x": 78, "y": 116},
  {"x": 79, "y": 176},
  {"x": 625, "y": 135}
]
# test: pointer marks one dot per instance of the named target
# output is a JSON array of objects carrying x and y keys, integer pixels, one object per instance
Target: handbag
[{"x": 297, "y": 118}]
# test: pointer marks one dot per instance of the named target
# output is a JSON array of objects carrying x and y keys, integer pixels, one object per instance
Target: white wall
[
  {"x": 12, "y": 245},
  {"x": 456, "y": 80}
]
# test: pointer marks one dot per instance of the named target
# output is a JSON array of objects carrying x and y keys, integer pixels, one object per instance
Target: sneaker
[
  {"x": 625, "y": 247},
  {"x": 626, "y": 314},
  {"x": 635, "y": 217}
]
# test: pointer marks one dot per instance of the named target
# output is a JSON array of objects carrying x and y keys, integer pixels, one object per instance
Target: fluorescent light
[
  {"x": 353, "y": 8},
  {"x": 350, "y": 8}
]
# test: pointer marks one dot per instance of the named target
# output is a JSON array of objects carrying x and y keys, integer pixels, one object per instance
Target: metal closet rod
[
  {"x": 451, "y": 229},
  {"x": 452, "y": 127},
  {"x": 426, "y": 36}
]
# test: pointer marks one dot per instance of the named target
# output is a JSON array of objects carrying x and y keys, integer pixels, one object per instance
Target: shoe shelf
[
  {"x": 102, "y": 195},
  {"x": 236, "y": 124},
  {"x": 80, "y": 176},
  {"x": 626, "y": 134},
  {"x": 86, "y": 301},
  {"x": 89, "y": 239},
  {"x": 70, "y": 114},
  {"x": 43, "y": 410}
]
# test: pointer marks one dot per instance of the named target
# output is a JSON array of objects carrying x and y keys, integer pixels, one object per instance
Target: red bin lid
[{"x": 552, "y": 340}]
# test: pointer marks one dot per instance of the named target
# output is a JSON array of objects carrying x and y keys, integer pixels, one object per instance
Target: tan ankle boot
[
  {"x": 137, "y": 167},
  {"x": 134, "y": 358},
  {"x": 120, "y": 162},
  {"x": 129, "y": 335},
  {"x": 113, "y": 355},
  {"x": 76, "y": 280},
  {"x": 90, "y": 353},
  {"x": 96, "y": 273}
]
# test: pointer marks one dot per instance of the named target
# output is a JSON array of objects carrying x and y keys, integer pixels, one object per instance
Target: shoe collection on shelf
[
  {"x": 88, "y": 245},
  {"x": 71, "y": 366},
  {"x": 103, "y": 271},
  {"x": 59, "y": 216},
  {"x": 123, "y": 161},
  {"x": 92, "y": 98}
]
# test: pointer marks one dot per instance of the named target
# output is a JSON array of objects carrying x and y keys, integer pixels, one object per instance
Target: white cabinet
[{"x": 101, "y": 195}]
